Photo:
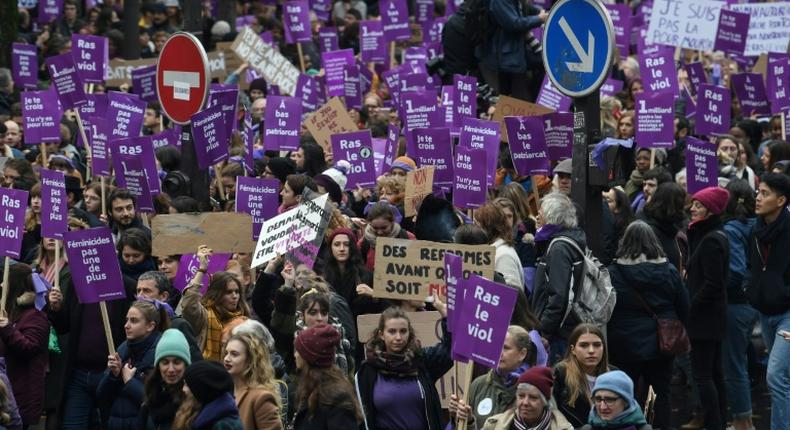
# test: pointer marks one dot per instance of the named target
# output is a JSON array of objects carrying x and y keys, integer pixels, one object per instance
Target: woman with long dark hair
[
  {"x": 665, "y": 213},
  {"x": 309, "y": 159},
  {"x": 347, "y": 275},
  {"x": 774, "y": 151},
  {"x": 164, "y": 385}
]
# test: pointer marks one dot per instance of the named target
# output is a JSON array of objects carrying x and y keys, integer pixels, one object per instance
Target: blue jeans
[
  {"x": 740, "y": 322},
  {"x": 778, "y": 368},
  {"x": 79, "y": 412}
]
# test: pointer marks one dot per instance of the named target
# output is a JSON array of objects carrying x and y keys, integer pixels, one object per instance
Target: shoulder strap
[
  {"x": 641, "y": 299},
  {"x": 568, "y": 241}
]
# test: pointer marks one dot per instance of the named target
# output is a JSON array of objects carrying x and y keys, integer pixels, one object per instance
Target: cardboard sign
[
  {"x": 224, "y": 232},
  {"x": 621, "y": 21},
  {"x": 94, "y": 266},
  {"x": 509, "y": 106},
  {"x": 684, "y": 23},
  {"x": 414, "y": 269},
  {"x": 13, "y": 204},
  {"x": 331, "y": 118},
  {"x": 268, "y": 62},
  {"x": 419, "y": 184},
  {"x": 427, "y": 327},
  {"x": 768, "y": 29}
]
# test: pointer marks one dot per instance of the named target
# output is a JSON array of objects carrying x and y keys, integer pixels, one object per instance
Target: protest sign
[
  {"x": 24, "y": 65},
  {"x": 352, "y": 94},
  {"x": 701, "y": 165},
  {"x": 91, "y": 57},
  {"x": 658, "y": 72},
  {"x": 322, "y": 9},
  {"x": 464, "y": 98},
  {"x": 509, "y": 106},
  {"x": 355, "y": 147},
  {"x": 41, "y": 116},
  {"x": 768, "y": 29},
  {"x": 95, "y": 271},
  {"x": 245, "y": 20},
  {"x": 419, "y": 109},
  {"x": 697, "y": 76},
  {"x": 295, "y": 230},
  {"x": 732, "y": 32},
  {"x": 428, "y": 330},
  {"x": 13, "y": 205},
  {"x": 621, "y": 21},
  {"x": 296, "y": 20},
  {"x": 419, "y": 184},
  {"x": 49, "y": 10},
  {"x": 227, "y": 96},
  {"x": 395, "y": 20},
  {"x": 684, "y": 23},
  {"x": 331, "y": 118},
  {"x": 144, "y": 82},
  {"x": 386, "y": 151},
  {"x": 558, "y": 131},
  {"x": 275, "y": 68},
  {"x": 66, "y": 81},
  {"x": 551, "y": 98},
  {"x": 434, "y": 147},
  {"x": 655, "y": 126},
  {"x": 424, "y": 12},
  {"x": 527, "y": 145},
  {"x": 469, "y": 189},
  {"x": 482, "y": 323},
  {"x": 208, "y": 131},
  {"x": 282, "y": 123},
  {"x": 751, "y": 93},
  {"x": 453, "y": 275},
  {"x": 413, "y": 82},
  {"x": 334, "y": 63},
  {"x": 99, "y": 137},
  {"x": 95, "y": 107},
  {"x": 189, "y": 264},
  {"x": 482, "y": 134},
  {"x": 120, "y": 70},
  {"x": 125, "y": 112},
  {"x": 142, "y": 148},
  {"x": 328, "y": 39},
  {"x": 713, "y": 110},
  {"x": 447, "y": 105},
  {"x": 372, "y": 47},
  {"x": 225, "y": 232},
  {"x": 259, "y": 198},
  {"x": 54, "y": 210},
  {"x": 777, "y": 77},
  {"x": 432, "y": 31},
  {"x": 611, "y": 87},
  {"x": 130, "y": 174},
  {"x": 414, "y": 269},
  {"x": 168, "y": 137}
]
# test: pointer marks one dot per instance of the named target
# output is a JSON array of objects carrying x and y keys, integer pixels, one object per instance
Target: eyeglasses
[{"x": 608, "y": 401}]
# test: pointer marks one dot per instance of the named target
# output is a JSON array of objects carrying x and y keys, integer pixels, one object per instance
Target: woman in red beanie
[
  {"x": 706, "y": 277},
  {"x": 532, "y": 409},
  {"x": 324, "y": 397}
]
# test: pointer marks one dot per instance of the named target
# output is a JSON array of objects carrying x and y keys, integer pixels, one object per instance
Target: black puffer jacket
[
  {"x": 706, "y": 278},
  {"x": 769, "y": 288}
]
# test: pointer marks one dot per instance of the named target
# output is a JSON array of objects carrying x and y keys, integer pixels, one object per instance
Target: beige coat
[
  {"x": 504, "y": 420},
  {"x": 258, "y": 409}
]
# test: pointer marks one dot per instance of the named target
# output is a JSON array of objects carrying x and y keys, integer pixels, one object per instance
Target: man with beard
[{"x": 123, "y": 214}]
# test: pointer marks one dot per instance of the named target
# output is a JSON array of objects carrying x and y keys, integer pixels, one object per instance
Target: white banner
[
  {"x": 769, "y": 27},
  {"x": 688, "y": 24}
]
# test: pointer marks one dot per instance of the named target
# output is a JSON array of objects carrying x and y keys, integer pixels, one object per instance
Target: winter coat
[
  {"x": 706, "y": 278},
  {"x": 220, "y": 414},
  {"x": 504, "y": 421},
  {"x": 738, "y": 234},
  {"x": 577, "y": 414},
  {"x": 346, "y": 286},
  {"x": 434, "y": 362},
  {"x": 12, "y": 409},
  {"x": 125, "y": 399},
  {"x": 632, "y": 331},
  {"x": 326, "y": 417},
  {"x": 258, "y": 409},
  {"x": 561, "y": 264},
  {"x": 488, "y": 396},
  {"x": 508, "y": 264},
  {"x": 505, "y": 49},
  {"x": 24, "y": 344},
  {"x": 769, "y": 286},
  {"x": 667, "y": 233}
]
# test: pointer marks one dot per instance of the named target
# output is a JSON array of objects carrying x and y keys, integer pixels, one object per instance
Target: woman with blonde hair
[
  {"x": 492, "y": 219},
  {"x": 257, "y": 396},
  {"x": 610, "y": 110}
]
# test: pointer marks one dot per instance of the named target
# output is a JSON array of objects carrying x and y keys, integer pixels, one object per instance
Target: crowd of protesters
[{"x": 277, "y": 346}]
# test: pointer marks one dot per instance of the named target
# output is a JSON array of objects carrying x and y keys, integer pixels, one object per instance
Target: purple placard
[
  {"x": 248, "y": 135},
  {"x": 91, "y": 57},
  {"x": 95, "y": 107},
  {"x": 469, "y": 189},
  {"x": 701, "y": 166},
  {"x": 144, "y": 82},
  {"x": 448, "y": 104},
  {"x": 244, "y": 21},
  {"x": 13, "y": 204},
  {"x": 482, "y": 323},
  {"x": 334, "y": 65},
  {"x": 372, "y": 47},
  {"x": 527, "y": 145},
  {"x": 713, "y": 110},
  {"x": 24, "y": 65},
  {"x": 365, "y": 77},
  {"x": 732, "y": 32},
  {"x": 419, "y": 110},
  {"x": 777, "y": 80},
  {"x": 415, "y": 54},
  {"x": 424, "y": 12},
  {"x": 390, "y": 150},
  {"x": 611, "y": 87},
  {"x": 169, "y": 136},
  {"x": 642, "y": 47},
  {"x": 432, "y": 30},
  {"x": 208, "y": 130},
  {"x": 227, "y": 96},
  {"x": 328, "y": 39},
  {"x": 691, "y": 105},
  {"x": 296, "y": 20},
  {"x": 259, "y": 198},
  {"x": 49, "y": 10},
  {"x": 99, "y": 137},
  {"x": 558, "y": 132},
  {"x": 130, "y": 174},
  {"x": 392, "y": 78},
  {"x": 434, "y": 147},
  {"x": 655, "y": 127},
  {"x": 94, "y": 266},
  {"x": 453, "y": 278},
  {"x": 464, "y": 98},
  {"x": 142, "y": 149},
  {"x": 307, "y": 89},
  {"x": 322, "y": 9},
  {"x": 482, "y": 134},
  {"x": 551, "y": 98},
  {"x": 356, "y": 147},
  {"x": 413, "y": 82},
  {"x": 54, "y": 211},
  {"x": 658, "y": 72},
  {"x": 750, "y": 90},
  {"x": 41, "y": 116},
  {"x": 189, "y": 265},
  {"x": 66, "y": 81},
  {"x": 697, "y": 76},
  {"x": 283, "y": 120},
  {"x": 352, "y": 94},
  {"x": 125, "y": 112},
  {"x": 395, "y": 20},
  {"x": 621, "y": 20}
]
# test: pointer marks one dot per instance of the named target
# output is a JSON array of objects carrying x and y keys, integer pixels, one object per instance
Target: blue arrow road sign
[{"x": 578, "y": 46}]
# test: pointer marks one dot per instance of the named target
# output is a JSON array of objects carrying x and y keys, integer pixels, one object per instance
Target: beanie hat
[
  {"x": 541, "y": 378},
  {"x": 331, "y": 187},
  {"x": 316, "y": 345},
  {"x": 339, "y": 173},
  {"x": 220, "y": 29},
  {"x": 281, "y": 167},
  {"x": 172, "y": 344},
  {"x": 347, "y": 231},
  {"x": 618, "y": 382},
  {"x": 404, "y": 163},
  {"x": 258, "y": 84},
  {"x": 713, "y": 198},
  {"x": 208, "y": 380}
]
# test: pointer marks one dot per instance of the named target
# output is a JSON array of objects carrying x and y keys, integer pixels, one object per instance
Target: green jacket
[{"x": 488, "y": 396}]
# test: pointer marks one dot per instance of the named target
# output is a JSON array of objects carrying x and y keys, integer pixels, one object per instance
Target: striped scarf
[
  {"x": 543, "y": 424},
  {"x": 212, "y": 350}
]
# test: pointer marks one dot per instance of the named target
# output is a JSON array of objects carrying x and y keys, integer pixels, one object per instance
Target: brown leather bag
[{"x": 672, "y": 337}]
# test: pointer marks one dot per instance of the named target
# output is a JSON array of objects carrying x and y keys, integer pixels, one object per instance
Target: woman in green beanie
[
  {"x": 614, "y": 406},
  {"x": 163, "y": 388}
]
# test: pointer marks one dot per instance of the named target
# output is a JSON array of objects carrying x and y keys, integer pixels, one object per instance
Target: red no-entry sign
[{"x": 182, "y": 77}]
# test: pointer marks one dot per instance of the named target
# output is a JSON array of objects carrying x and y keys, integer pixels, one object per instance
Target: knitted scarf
[
  {"x": 630, "y": 417},
  {"x": 543, "y": 424},
  {"x": 212, "y": 350},
  {"x": 371, "y": 237},
  {"x": 392, "y": 364}
]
